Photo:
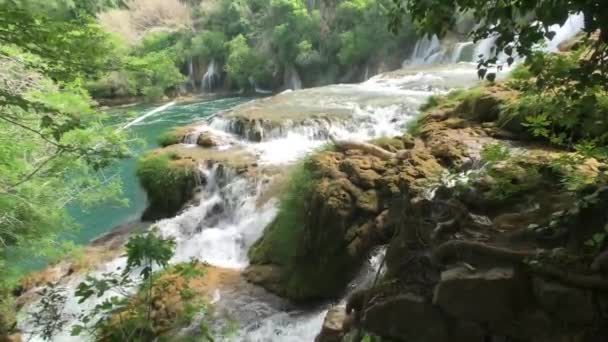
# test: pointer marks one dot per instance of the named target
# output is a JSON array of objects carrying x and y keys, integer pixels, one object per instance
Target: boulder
[
  {"x": 481, "y": 296},
  {"x": 568, "y": 304},
  {"x": 207, "y": 139},
  {"x": 335, "y": 326},
  {"x": 406, "y": 317}
]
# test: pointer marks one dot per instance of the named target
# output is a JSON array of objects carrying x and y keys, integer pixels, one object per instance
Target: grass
[{"x": 283, "y": 235}]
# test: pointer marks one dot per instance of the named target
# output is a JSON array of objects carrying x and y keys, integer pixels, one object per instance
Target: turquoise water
[{"x": 100, "y": 219}]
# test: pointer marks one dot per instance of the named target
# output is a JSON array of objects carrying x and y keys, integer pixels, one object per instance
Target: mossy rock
[
  {"x": 306, "y": 252},
  {"x": 173, "y": 136},
  {"x": 178, "y": 294},
  {"x": 169, "y": 182},
  {"x": 389, "y": 144}
]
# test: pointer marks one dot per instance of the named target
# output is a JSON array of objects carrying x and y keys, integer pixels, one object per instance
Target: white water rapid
[{"x": 226, "y": 216}]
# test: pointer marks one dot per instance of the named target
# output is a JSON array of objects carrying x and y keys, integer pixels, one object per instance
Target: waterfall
[
  {"x": 430, "y": 50},
  {"x": 427, "y": 51},
  {"x": 573, "y": 25},
  {"x": 226, "y": 216},
  {"x": 211, "y": 76},
  {"x": 484, "y": 48},
  {"x": 292, "y": 78},
  {"x": 463, "y": 51},
  {"x": 191, "y": 79}
]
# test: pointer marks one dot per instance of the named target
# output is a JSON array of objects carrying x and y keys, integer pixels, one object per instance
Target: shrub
[
  {"x": 496, "y": 152},
  {"x": 168, "y": 181}
]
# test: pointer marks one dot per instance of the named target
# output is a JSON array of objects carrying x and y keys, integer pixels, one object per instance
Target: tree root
[
  {"x": 572, "y": 279},
  {"x": 372, "y": 149},
  {"x": 458, "y": 250}
]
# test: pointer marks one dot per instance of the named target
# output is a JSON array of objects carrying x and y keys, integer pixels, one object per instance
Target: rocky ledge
[
  {"x": 314, "y": 111},
  {"x": 172, "y": 175},
  {"x": 491, "y": 235}
]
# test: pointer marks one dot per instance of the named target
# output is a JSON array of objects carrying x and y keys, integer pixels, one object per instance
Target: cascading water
[
  {"x": 225, "y": 217},
  {"x": 211, "y": 76},
  {"x": 427, "y": 51},
  {"x": 434, "y": 51},
  {"x": 463, "y": 52}
]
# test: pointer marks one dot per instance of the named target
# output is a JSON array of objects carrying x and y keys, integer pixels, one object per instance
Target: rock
[
  {"x": 268, "y": 276},
  {"x": 568, "y": 304},
  {"x": 207, "y": 140},
  {"x": 335, "y": 326},
  {"x": 464, "y": 331},
  {"x": 406, "y": 317},
  {"x": 368, "y": 201},
  {"x": 481, "y": 296}
]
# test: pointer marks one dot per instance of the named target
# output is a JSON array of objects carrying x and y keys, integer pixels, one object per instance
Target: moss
[
  {"x": 281, "y": 237},
  {"x": 168, "y": 181},
  {"x": 172, "y": 137},
  {"x": 391, "y": 144},
  {"x": 306, "y": 240}
]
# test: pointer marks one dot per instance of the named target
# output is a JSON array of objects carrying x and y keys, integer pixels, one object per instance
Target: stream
[{"x": 226, "y": 217}]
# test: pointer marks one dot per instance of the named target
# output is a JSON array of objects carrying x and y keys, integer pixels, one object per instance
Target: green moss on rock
[{"x": 168, "y": 181}]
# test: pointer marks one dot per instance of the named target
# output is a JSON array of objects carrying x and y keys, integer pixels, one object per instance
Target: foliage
[
  {"x": 209, "y": 45},
  {"x": 170, "y": 137},
  {"x": 496, "y": 152},
  {"x": 121, "y": 316},
  {"x": 169, "y": 182},
  {"x": 244, "y": 64},
  {"x": 54, "y": 145},
  {"x": 557, "y": 106},
  {"x": 284, "y": 233}
]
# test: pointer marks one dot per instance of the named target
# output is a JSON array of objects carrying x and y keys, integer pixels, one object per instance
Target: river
[{"x": 382, "y": 106}]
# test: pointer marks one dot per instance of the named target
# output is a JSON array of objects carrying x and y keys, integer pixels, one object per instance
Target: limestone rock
[
  {"x": 335, "y": 326},
  {"x": 406, "y": 317},
  {"x": 480, "y": 296},
  {"x": 571, "y": 305},
  {"x": 207, "y": 140}
]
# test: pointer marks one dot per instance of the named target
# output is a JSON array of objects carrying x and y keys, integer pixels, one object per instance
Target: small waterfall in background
[
  {"x": 572, "y": 26},
  {"x": 427, "y": 51},
  {"x": 211, "y": 76},
  {"x": 463, "y": 52},
  {"x": 432, "y": 50},
  {"x": 191, "y": 81},
  {"x": 292, "y": 78}
]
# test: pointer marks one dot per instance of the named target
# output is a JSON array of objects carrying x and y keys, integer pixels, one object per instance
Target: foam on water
[{"x": 223, "y": 225}]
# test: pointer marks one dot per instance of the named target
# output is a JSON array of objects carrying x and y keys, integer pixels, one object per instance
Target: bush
[{"x": 168, "y": 181}]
